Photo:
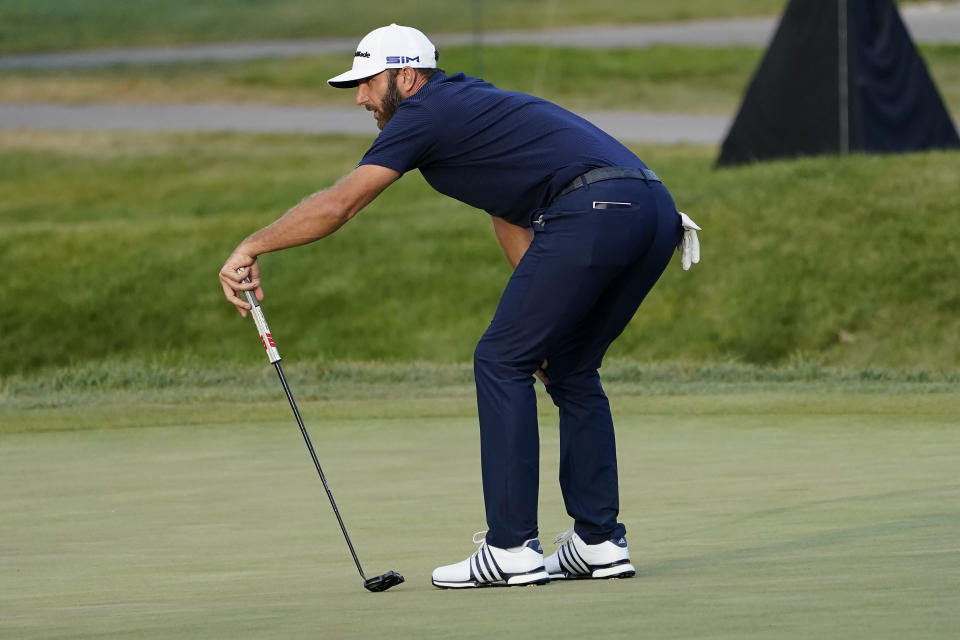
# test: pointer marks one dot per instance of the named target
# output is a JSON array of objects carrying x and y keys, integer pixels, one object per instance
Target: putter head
[{"x": 383, "y": 582}]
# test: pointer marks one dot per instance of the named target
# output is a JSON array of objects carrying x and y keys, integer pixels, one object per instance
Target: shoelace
[
  {"x": 563, "y": 537},
  {"x": 482, "y": 535}
]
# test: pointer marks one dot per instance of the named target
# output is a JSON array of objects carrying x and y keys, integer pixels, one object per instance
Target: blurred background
[{"x": 140, "y": 141}]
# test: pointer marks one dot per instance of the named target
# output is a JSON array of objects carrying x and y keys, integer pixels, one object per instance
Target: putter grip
[{"x": 258, "y": 319}]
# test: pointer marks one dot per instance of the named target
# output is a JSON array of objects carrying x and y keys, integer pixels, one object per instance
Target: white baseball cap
[{"x": 392, "y": 47}]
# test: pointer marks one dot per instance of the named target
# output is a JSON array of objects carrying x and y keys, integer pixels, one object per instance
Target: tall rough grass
[{"x": 111, "y": 244}]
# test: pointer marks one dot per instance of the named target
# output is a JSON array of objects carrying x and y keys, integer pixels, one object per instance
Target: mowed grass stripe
[
  {"x": 708, "y": 80},
  {"x": 661, "y": 78},
  {"x": 168, "y": 393}
]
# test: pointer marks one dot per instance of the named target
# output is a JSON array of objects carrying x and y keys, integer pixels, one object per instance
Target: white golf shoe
[
  {"x": 491, "y": 566},
  {"x": 577, "y": 559}
]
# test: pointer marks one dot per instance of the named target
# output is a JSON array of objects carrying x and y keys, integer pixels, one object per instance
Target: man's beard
[{"x": 391, "y": 100}]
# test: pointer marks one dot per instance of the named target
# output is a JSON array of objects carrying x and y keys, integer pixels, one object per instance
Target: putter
[{"x": 376, "y": 583}]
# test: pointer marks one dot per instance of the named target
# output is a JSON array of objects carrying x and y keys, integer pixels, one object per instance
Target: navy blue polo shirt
[{"x": 504, "y": 152}]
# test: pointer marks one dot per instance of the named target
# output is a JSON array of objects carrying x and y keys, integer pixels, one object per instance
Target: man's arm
[
  {"x": 514, "y": 239},
  {"x": 317, "y": 216}
]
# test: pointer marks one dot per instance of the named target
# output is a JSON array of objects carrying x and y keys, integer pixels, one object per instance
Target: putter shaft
[
  {"x": 316, "y": 462},
  {"x": 274, "y": 355}
]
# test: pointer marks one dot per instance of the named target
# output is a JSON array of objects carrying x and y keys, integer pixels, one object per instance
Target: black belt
[{"x": 607, "y": 173}]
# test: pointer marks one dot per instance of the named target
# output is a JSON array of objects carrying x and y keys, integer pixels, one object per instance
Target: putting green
[{"x": 768, "y": 515}]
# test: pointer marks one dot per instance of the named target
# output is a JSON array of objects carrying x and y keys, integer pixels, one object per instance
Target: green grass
[
  {"x": 775, "y": 514},
  {"x": 661, "y": 78},
  {"x": 38, "y": 25},
  {"x": 39, "y": 403},
  {"x": 658, "y": 78},
  {"x": 112, "y": 243},
  {"x": 43, "y": 25},
  {"x": 943, "y": 63}
]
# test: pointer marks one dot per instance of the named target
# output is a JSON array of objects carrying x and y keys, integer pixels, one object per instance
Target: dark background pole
[{"x": 477, "y": 10}]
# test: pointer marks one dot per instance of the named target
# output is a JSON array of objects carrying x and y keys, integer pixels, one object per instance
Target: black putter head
[{"x": 383, "y": 582}]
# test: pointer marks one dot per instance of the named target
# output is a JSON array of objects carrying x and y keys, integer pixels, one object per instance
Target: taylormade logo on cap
[{"x": 392, "y": 47}]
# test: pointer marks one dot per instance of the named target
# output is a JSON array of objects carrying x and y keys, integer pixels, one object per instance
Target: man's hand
[
  {"x": 541, "y": 373},
  {"x": 514, "y": 239},
  {"x": 238, "y": 266}
]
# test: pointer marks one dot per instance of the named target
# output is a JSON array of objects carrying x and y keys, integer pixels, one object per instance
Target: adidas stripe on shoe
[
  {"x": 491, "y": 566},
  {"x": 577, "y": 559}
]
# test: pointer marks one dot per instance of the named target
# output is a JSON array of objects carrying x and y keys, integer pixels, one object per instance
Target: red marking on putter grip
[{"x": 268, "y": 340}]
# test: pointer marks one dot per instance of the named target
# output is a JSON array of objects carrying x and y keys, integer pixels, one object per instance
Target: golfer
[{"x": 588, "y": 229}]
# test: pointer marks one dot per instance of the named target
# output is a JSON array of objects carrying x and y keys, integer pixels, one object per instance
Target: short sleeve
[{"x": 405, "y": 142}]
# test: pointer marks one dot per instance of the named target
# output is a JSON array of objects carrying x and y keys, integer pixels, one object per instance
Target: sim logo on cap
[{"x": 402, "y": 59}]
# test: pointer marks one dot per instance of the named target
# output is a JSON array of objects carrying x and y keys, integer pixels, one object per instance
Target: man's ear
[{"x": 407, "y": 79}]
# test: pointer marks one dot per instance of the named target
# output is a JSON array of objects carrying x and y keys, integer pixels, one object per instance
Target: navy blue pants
[{"x": 576, "y": 288}]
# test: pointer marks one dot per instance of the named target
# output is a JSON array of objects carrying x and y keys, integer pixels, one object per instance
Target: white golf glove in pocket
[{"x": 689, "y": 246}]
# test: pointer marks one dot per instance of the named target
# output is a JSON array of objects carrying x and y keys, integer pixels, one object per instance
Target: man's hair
[
  {"x": 429, "y": 73},
  {"x": 425, "y": 73}
]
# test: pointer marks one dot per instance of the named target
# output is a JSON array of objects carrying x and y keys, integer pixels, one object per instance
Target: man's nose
[{"x": 361, "y": 96}]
